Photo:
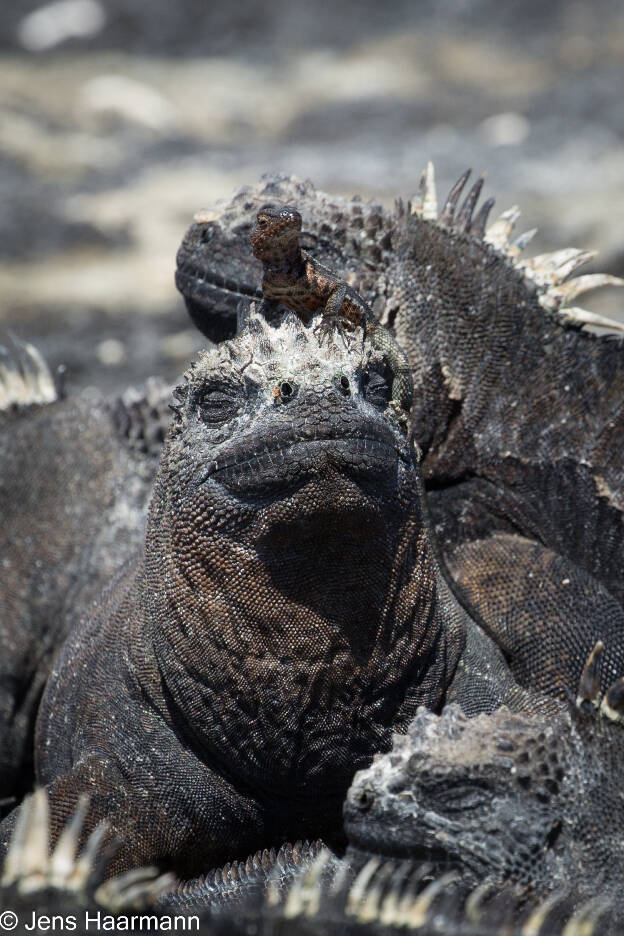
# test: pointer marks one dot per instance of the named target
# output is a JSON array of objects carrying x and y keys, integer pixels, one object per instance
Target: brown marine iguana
[{"x": 285, "y": 615}]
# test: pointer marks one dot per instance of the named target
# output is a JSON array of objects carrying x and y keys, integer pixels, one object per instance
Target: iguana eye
[
  {"x": 456, "y": 796},
  {"x": 217, "y": 404},
  {"x": 466, "y": 797}
]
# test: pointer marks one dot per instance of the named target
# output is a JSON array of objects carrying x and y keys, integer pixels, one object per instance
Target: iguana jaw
[
  {"x": 215, "y": 271},
  {"x": 404, "y": 831},
  {"x": 269, "y": 467},
  {"x": 207, "y": 286}
]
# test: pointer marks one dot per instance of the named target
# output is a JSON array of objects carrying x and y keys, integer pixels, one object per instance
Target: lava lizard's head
[{"x": 275, "y": 232}]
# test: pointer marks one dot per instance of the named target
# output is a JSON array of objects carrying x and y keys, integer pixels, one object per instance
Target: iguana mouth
[
  {"x": 364, "y": 457},
  {"x": 200, "y": 284}
]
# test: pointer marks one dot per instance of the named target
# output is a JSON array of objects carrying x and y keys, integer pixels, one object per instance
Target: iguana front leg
[{"x": 145, "y": 819}]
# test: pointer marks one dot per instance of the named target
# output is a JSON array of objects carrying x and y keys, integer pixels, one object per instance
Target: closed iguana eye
[
  {"x": 218, "y": 404},
  {"x": 458, "y": 797}
]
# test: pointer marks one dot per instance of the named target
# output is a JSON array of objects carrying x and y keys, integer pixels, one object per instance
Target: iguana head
[
  {"x": 276, "y": 409},
  {"x": 529, "y": 800},
  {"x": 275, "y": 232},
  {"x": 291, "y": 578},
  {"x": 489, "y": 794}
]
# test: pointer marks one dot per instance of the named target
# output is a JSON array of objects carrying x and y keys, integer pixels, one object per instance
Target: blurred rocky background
[{"x": 120, "y": 118}]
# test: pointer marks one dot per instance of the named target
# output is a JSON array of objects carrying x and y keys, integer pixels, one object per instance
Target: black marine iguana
[
  {"x": 75, "y": 479},
  {"x": 518, "y": 413},
  {"x": 286, "y": 614},
  {"x": 525, "y": 800}
]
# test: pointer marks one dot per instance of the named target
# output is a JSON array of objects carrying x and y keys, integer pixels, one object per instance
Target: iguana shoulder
[{"x": 512, "y": 396}]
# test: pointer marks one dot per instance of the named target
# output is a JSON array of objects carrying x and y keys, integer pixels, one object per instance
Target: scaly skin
[
  {"x": 302, "y": 890},
  {"x": 75, "y": 482},
  {"x": 528, "y": 801},
  {"x": 296, "y": 280},
  {"x": 518, "y": 414},
  {"x": 285, "y": 615}
]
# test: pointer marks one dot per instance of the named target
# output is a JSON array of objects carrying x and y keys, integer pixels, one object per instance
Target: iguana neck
[
  {"x": 294, "y": 643},
  {"x": 473, "y": 329}
]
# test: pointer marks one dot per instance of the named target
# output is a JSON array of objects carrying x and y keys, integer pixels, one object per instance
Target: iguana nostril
[
  {"x": 343, "y": 384},
  {"x": 365, "y": 800},
  {"x": 285, "y": 390}
]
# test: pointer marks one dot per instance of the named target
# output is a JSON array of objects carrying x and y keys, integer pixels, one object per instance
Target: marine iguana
[
  {"x": 519, "y": 415},
  {"x": 285, "y": 615},
  {"x": 75, "y": 480},
  {"x": 295, "y": 279},
  {"x": 314, "y": 894},
  {"x": 527, "y": 800},
  {"x": 493, "y": 687}
]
